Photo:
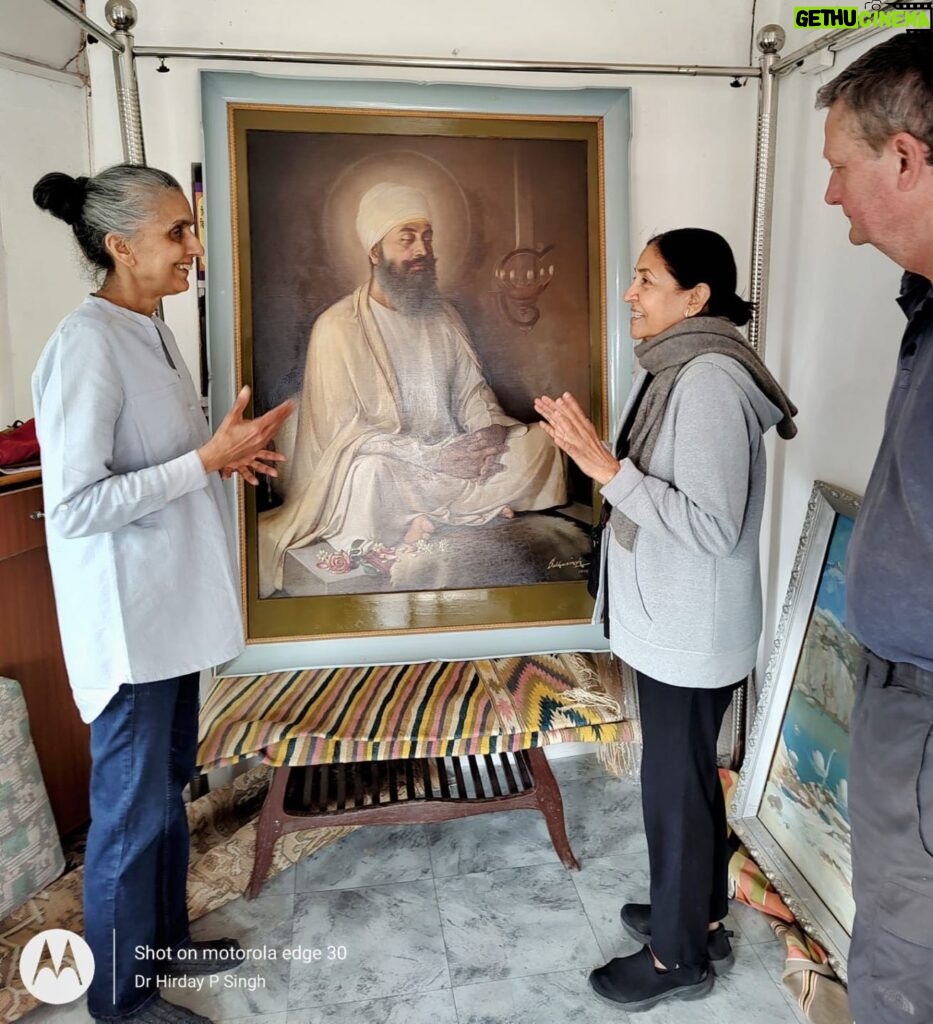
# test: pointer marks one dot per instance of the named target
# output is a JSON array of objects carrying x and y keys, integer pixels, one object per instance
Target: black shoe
[
  {"x": 634, "y": 983},
  {"x": 207, "y": 956},
  {"x": 636, "y": 920}
]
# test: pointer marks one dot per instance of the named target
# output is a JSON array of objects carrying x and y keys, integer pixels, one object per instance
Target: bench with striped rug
[{"x": 413, "y": 743}]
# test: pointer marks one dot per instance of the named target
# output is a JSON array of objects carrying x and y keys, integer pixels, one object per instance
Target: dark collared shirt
[{"x": 889, "y": 574}]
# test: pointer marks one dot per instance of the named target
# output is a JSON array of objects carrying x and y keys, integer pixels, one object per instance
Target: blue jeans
[{"x": 143, "y": 748}]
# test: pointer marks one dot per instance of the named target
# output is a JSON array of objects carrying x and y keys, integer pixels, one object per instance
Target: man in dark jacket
[{"x": 879, "y": 144}]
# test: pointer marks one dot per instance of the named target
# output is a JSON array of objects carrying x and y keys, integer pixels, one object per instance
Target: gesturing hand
[
  {"x": 250, "y": 467},
  {"x": 566, "y": 424},
  {"x": 242, "y": 446}
]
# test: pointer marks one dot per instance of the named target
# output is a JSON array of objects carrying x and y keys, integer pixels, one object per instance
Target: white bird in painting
[
  {"x": 842, "y": 792},
  {"x": 821, "y": 768}
]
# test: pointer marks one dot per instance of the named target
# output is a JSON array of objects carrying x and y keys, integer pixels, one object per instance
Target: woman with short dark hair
[
  {"x": 143, "y": 565},
  {"x": 679, "y": 588}
]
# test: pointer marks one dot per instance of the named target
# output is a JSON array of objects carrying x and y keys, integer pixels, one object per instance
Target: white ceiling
[{"x": 35, "y": 30}]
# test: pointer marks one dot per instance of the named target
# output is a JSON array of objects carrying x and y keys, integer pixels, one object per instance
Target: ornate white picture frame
[{"x": 791, "y": 804}]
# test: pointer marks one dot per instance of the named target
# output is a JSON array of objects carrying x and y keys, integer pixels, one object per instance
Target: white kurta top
[{"x": 139, "y": 540}]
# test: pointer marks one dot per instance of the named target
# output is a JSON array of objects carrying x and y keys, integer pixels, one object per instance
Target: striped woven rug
[{"x": 438, "y": 709}]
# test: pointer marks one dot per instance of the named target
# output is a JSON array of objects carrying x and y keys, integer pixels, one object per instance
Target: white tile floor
[{"x": 469, "y": 922}]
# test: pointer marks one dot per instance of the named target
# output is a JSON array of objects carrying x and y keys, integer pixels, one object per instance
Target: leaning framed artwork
[
  {"x": 791, "y": 804},
  {"x": 412, "y": 266}
]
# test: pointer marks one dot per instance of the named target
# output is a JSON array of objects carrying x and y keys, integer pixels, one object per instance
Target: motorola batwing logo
[{"x": 56, "y": 966}]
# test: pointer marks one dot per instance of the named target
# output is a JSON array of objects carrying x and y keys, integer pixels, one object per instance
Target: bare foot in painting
[
  {"x": 507, "y": 513},
  {"x": 421, "y": 528}
]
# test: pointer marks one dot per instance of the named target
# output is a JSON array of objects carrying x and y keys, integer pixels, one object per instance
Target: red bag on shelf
[{"x": 19, "y": 443}]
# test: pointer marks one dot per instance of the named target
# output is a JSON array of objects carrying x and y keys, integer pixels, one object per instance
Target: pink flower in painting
[
  {"x": 340, "y": 562},
  {"x": 373, "y": 558},
  {"x": 336, "y": 562}
]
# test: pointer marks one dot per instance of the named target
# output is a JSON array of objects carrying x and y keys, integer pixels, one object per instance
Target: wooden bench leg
[
  {"x": 268, "y": 830},
  {"x": 551, "y": 806}
]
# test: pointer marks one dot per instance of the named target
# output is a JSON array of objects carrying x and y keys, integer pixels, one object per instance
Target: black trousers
[{"x": 685, "y": 816}]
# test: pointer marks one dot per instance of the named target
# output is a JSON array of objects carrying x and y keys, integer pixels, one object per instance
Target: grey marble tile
[
  {"x": 604, "y": 885},
  {"x": 76, "y": 1013},
  {"x": 578, "y": 768},
  {"x": 517, "y": 921},
  {"x": 603, "y": 817},
  {"x": 392, "y": 939},
  {"x": 281, "y": 884},
  {"x": 69, "y": 1013},
  {"x": 488, "y": 842},
  {"x": 428, "y": 1008},
  {"x": 268, "y": 1018},
  {"x": 377, "y": 855},
  {"x": 541, "y": 999},
  {"x": 259, "y": 986}
]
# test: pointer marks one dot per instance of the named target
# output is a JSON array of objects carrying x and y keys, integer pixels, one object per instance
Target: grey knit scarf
[{"x": 664, "y": 356}]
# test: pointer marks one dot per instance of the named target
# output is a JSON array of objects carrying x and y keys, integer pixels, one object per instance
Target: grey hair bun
[{"x": 118, "y": 200}]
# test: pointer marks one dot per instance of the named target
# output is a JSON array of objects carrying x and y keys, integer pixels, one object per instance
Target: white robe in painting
[{"x": 382, "y": 392}]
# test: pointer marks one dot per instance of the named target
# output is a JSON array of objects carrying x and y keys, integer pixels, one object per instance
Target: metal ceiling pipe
[
  {"x": 770, "y": 39},
  {"x": 122, "y": 15},
  {"x": 85, "y": 22},
  {"x": 459, "y": 63}
]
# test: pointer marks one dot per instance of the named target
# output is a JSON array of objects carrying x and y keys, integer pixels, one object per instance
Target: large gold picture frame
[{"x": 505, "y": 187}]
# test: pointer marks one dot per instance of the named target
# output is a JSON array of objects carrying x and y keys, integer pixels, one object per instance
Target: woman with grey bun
[
  {"x": 144, "y": 570},
  {"x": 679, "y": 586}
]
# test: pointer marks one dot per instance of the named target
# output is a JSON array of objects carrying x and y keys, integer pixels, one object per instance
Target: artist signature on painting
[{"x": 576, "y": 563}]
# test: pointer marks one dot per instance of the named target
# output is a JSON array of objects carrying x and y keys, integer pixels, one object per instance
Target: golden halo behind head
[{"x": 449, "y": 211}]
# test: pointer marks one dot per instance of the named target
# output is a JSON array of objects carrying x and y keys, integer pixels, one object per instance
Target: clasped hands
[
  {"x": 567, "y": 426},
  {"x": 473, "y": 456},
  {"x": 241, "y": 446}
]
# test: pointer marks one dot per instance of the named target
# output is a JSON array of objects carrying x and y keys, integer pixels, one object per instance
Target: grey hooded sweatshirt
[{"x": 685, "y": 603}]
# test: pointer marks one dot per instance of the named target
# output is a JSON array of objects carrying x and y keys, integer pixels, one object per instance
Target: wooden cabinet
[{"x": 31, "y": 652}]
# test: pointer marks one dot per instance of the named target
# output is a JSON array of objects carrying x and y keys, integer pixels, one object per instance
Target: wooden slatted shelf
[{"x": 412, "y": 791}]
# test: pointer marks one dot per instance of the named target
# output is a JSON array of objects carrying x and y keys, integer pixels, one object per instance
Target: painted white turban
[{"x": 384, "y": 207}]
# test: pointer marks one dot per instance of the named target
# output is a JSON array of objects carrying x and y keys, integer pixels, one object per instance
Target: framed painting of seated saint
[{"x": 411, "y": 275}]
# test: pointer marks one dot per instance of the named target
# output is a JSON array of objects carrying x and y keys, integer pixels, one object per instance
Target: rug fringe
[
  {"x": 583, "y": 670},
  {"x": 581, "y": 698},
  {"x": 621, "y": 759}
]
